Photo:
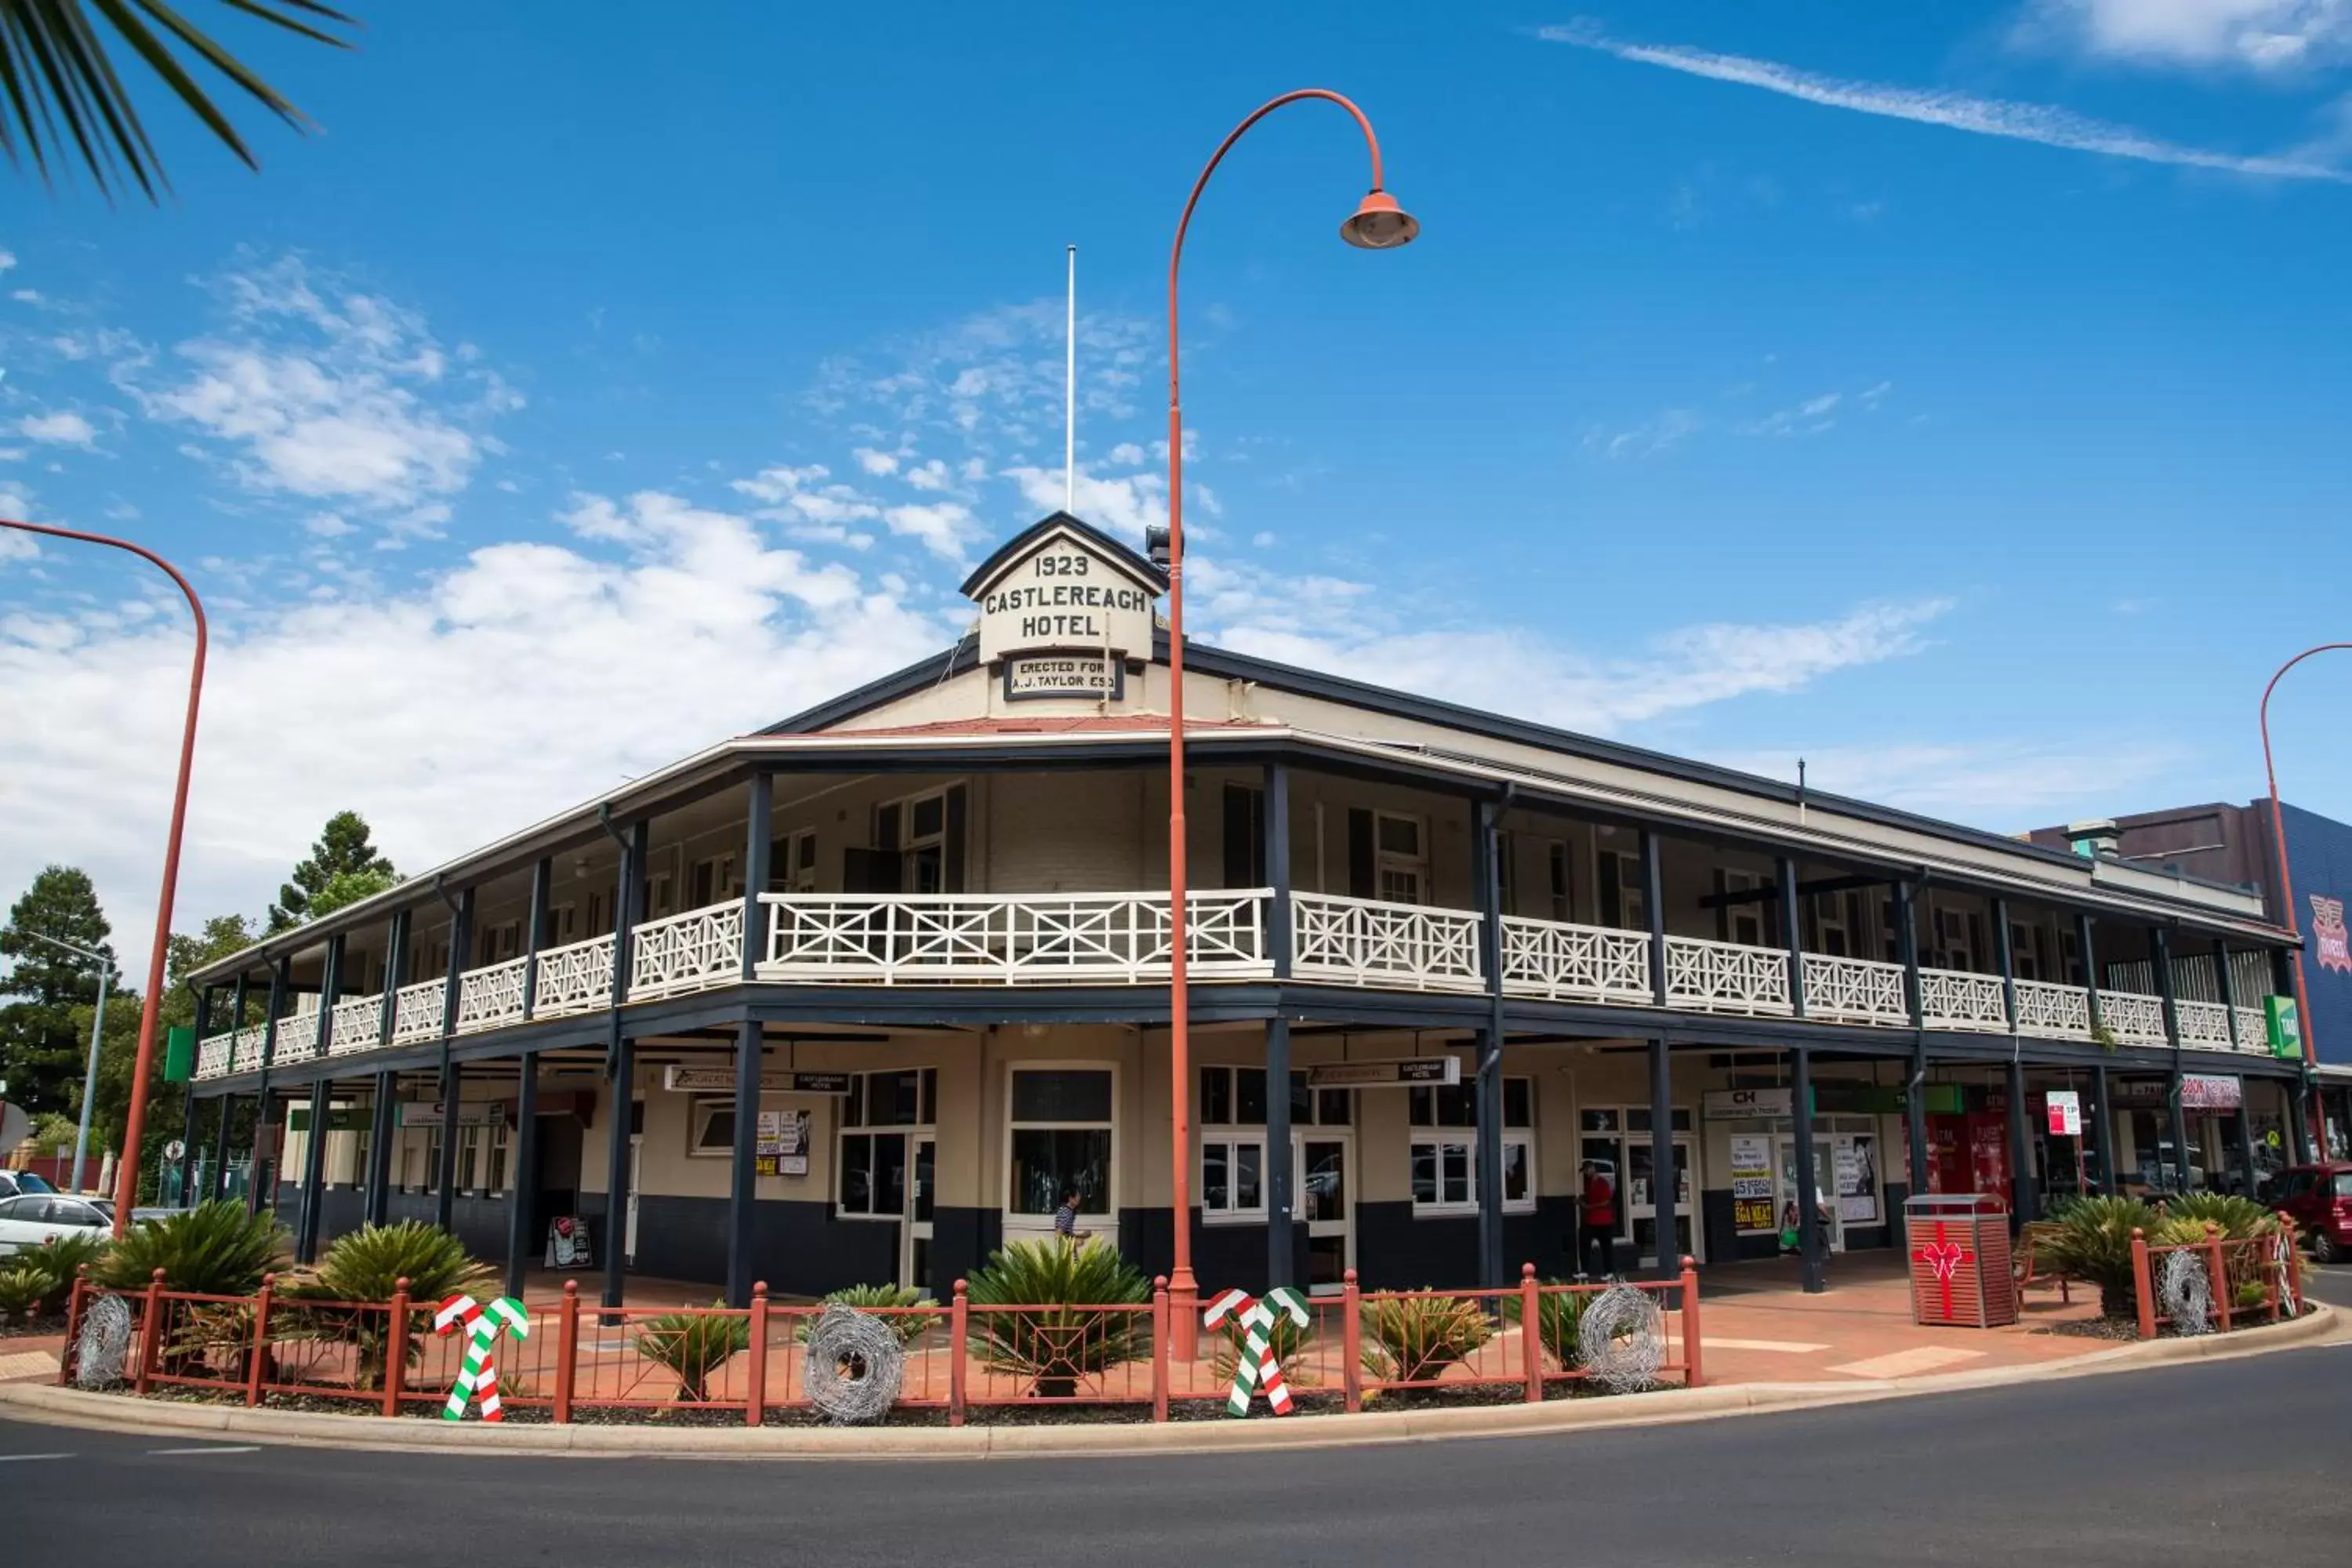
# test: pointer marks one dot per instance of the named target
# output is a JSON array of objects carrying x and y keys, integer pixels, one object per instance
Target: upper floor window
[
  {"x": 791, "y": 862},
  {"x": 918, "y": 846},
  {"x": 1831, "y": 933},
  {"x": 1623, "y": 901},
  {"x": 1244, "y": 824},
  {"x": 715, "y": 882},
  {"x": 1743, "y": 895}
]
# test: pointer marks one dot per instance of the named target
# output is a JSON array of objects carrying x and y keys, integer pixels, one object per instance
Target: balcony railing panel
[
  {"x": 577, "y": 978},
  {"x": 2205, "y": 1026},
  {"x": 1364, "y": 942},
  {"x": 490, "y": 997},
  {"x": 1855, "y": 990},
  {"x": 298, "y": 1034},
  {"x": 250, "y": 1041},
  {"x": 1956, "y": 999},
  {"x": 357, "y": 1025},
  {"x": 416, "y": 1011},
  {"x": 689, "y": 951},
  {"x": 1011, "y": 938},
  {"x": 2052, "y": 1011},
  {"x": 215, "y": 1053},
  {"x": 2132, "y": 1018},
  {"x": 2253, "y": 1030},
  {"x": 1726, "y": 976},
  {"x": 1562, "y": 962}
]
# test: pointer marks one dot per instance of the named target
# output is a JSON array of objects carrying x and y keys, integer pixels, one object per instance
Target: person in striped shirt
[{"x": 1065, "y": 1218}]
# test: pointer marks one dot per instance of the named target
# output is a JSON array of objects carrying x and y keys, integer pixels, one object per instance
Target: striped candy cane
[
  {"x": 1257, "y": 1369},
  {"x": 478, "y": 1372}
]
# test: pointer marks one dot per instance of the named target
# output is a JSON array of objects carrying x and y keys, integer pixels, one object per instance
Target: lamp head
[{"x": 1380, "y": 224}]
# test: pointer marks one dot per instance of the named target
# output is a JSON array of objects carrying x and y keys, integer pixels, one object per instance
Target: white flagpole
[{"x": 1070, "y": 398}]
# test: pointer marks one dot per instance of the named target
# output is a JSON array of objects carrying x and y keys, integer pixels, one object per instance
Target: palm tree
[{"x": 55, "y": 72}]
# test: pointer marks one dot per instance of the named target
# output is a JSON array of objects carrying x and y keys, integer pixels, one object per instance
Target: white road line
[
  {"x": 232, "y": 1448},
  {"x": 21, "y": 1459}
]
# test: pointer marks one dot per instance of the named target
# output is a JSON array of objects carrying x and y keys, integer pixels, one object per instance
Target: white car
[{"x": 32, "y": 1219}]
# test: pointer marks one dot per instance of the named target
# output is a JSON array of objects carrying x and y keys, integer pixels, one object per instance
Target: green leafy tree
[
  {"x": 118, "y": 1053},
  {"x": 44, "y": 1032},
  {"x": 61, "y": 99},
  {"x": 341, "y": 856}
]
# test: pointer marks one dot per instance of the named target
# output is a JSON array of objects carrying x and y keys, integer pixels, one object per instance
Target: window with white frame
[
  {"x": 2025, "y": 950},
  {"x": 502, "y": 942},
  {"x": 710, "y": 1128},
  {"x": 1621, "y": 882},
  {"x": 1743, "y": 906},
  {"x": 917, "y": 828},
  {"x": 1955, "y": 940},
  {"x": 791, "y": 862},
  {"x": 1443, "y": 1147},
  {"x": 469, "y": 1152},
  {"x": 363, "y": 1140},
  {"x": 1401, "y": 863},
  {"x": 715, "y": 882},
  {"x": 562, "y": 925},
  {"x": 1059, "y": 1138},
  {"x": 433, "y": 1144},
  {"x": 1232, "y": 1143},
  {"x": 1830, "y": 933},
  {"x": 494, "y": 1175},
  {"x": 879, "y": 1117}
]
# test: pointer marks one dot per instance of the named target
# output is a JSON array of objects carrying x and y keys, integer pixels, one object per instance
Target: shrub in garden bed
[
  {"x": 2093, "y": 1242},
  {"x": 908, "y": 1326},
  {"x": 367, "y": 1265},
  {"x": 1060, "y": 1340},
  {"x": 1416, "y": 1338},
  {"x": 1559, "y": 1318},
  {"x": 695, "y": 1346},
  {"x": 212, "y": 1249}
]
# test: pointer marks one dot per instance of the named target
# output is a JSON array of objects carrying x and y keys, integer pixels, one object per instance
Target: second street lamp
[
  {"x": 106, "y": 973},
  {"x": 1377, "y": 224}
]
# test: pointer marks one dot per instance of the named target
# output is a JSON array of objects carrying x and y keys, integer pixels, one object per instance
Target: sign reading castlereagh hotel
[{"x": 1064, "y": 609}]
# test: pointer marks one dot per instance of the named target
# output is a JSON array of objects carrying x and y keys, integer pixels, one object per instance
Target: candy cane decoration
[
  {"x": 478, "y": 1372},
  {"x": 1257, "y": 1368}
]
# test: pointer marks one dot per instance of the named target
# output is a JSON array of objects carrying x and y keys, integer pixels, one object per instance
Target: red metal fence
[
  {"x": 2233, "y": 1265},
  {"x": 959, "y": 1355}
]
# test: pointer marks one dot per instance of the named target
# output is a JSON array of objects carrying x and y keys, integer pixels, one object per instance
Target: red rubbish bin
[{"x": 1960, "y": 1273}]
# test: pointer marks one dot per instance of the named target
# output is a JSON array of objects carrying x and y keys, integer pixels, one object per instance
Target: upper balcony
[{"x": 1123, "y": 939}]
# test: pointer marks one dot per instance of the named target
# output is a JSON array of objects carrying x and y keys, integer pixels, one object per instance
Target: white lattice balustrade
[
  {"x": 416, "y": 1011},
  {"x": 1565, "y": 962},
  {"x": 248, "y": 1048},
  {"x": 689, "y": 951},
  {"x": 298, "y": 1034},
  {"x": 1011, "y": 938},
  {"x": 355, "y": 1026},
  {"x": 1727, "y": 976},
  {"x": 2253, "y": 1030},
  {"x": 491, "y": 995},
  {"x": 213, "y": 1054},
  {"x": 577, "y": 978},
  {"x": 2204, "y": 1026},
  {"x": 1956, "y": 999},
  {"x": 1855, "y": 990},
  {"x": 2132, "y": 1018},
  {"x": 2052, "y": 1011},
  {"x": 1366, "y": 942}
]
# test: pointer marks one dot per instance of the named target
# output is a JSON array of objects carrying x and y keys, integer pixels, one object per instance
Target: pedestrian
[
  {"x": 1596, "y": 1242},
  {"x": 1065, "y": 1218}
]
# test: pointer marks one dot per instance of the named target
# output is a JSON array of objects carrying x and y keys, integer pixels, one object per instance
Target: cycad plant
[
  {"x": 1057, "y": 1342},
  {"x": 2091, "y": 1241},
  {"x": 366, "y": 1266},
  {"x": 908, "y": 1326},
  {"x": 1414, "y": 1339},
  {"x": 21, "y": 1292},
  {"x": 215, "y": 1249},
  {"x": 694, "y": 1346},
  {"x": 57, "y": 1260}
]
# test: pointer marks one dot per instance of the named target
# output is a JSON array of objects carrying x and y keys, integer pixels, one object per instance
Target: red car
[{"x": 2318, "y": 1198}]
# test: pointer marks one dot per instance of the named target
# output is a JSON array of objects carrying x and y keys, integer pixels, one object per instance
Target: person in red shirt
[{"x": 1596, "y": 1242}]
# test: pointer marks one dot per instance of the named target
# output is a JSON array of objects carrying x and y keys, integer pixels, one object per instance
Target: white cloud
[
  {"x": 807, "y": 495},
  {"x": 2040, "y": 123},
  {"x": 1811, "y": 417},
  {"x": 7, "y": 260},
  {"x": 2255, "y": 35},
  {"x": 322, "y": 392},
  {"x": 1122, "y": 504},
  {"x": 929, "y": 476},
  {"x": 945, "y": 528},
  {"x": 1126, "y": 454},
  {"x": 1664, "y": 434},
  {"x": 64, "y": 428},
  {"x": 511, "y": 686},
  {"x": 877, "y": 463}
]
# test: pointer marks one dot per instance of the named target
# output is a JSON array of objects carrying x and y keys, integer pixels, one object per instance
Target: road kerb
[{"x": 112, "y": 1412}]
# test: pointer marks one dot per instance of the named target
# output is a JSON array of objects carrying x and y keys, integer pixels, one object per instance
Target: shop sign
[
  {"x": 1745, "y": 1104},
  {"x": 340, "y": 1119},
  {"x": 782, "y": 1145},
  {"x": 1751, "y": 1184},
  {"x": 2285, "y": 1025},
  {"x": 1397, "y": 1073},
  {"x": 2065, "y": 1110},
  {"x": 434, "y": 1112},
  {"x": 2208, "y": 1091},
  {"x": 682, "y": 1079},
  {"x": 1065, "y": 675}
]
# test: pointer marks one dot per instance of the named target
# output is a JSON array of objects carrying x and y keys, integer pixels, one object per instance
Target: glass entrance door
[
  {"x": 1327, "y": 1206},
  {"x": 915, "y": 1246},
  {"x": 1640, "y": 1219}
]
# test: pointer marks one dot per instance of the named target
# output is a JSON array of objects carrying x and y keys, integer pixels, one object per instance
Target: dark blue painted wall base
[{"x": 480, "y": 1222}]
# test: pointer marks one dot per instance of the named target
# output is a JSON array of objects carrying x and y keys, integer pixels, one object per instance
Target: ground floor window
[
  {"x": 873, "y": 1184},
  {"x": 494, "y": 1178},
  {"x": 1232, "y": 1177},
  {"x": 1443, "y": 1162},
  {"x": 1060, "y": 1140},
  {"x": 885, "y": 1144},
  {"x": 711, "y": 1129},
  {"x": 432, "y": 1182},
  {"x": 470, "y": 1156}
]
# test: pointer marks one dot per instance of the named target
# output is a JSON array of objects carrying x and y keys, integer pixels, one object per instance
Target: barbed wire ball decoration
[
  {"x": 2184, "y": 1293},
  {"x": 1622, "y": 1339},
  {"x": 2282, "y": 1262},
  {"x": 855, "y": 1365},
  {"x": 102, "y": 1344}
]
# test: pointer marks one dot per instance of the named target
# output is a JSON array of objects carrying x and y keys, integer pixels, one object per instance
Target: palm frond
[{"x": 61, "y": 101}]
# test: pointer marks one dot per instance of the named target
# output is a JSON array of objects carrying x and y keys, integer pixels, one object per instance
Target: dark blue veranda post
[
  {"x": 314, "y": 1145},
  {"x": 1486, "y": 882},
  {"x": 750, "y": 1048},
  {"x": 620, "y": 1065},
  {"x": 265, "y": 1119},
  {"x": 2160, "y": 958},
  {"x": 1809, "y": 1194},
  {"x": 445, "y": 1176},
  {"x": 1915, "y": 1100},
  {"x": 1280, "y": 1199}
]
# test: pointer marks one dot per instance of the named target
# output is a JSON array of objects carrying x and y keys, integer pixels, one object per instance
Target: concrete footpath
[{"x": 46, "y": 1403}]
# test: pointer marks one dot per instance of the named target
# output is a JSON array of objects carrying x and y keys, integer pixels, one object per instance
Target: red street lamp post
[
  {"x": 2286, "y": 890},
  {"x": 1377, "y": 224},
  {"x": 126, "y": 1181}
]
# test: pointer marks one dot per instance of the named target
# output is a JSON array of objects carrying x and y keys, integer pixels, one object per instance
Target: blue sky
[{"x": 1952, "y": 397}]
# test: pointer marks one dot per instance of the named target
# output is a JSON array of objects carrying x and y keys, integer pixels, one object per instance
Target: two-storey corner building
[{"x": 859, "y": 997}]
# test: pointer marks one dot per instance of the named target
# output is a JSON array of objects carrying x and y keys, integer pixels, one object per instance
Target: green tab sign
[
  {"x": 2285, "y": 1026},
  {"x": 179, "y": 1054}
]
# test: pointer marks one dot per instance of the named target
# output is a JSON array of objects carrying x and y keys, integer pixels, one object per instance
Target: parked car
[
  {"x": 139, "y": 1216},
  {"x": 32, "y": 1219},
  {"x": 15, "y": 1182},
  {"x": 2318, "y": 1198}
]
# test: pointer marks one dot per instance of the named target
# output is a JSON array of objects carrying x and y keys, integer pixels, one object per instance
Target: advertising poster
[
  {"x": 1856, "y": 1155},
  {"x": 784, "y": 1142},
  {"x": 1751, "y": 1185}
]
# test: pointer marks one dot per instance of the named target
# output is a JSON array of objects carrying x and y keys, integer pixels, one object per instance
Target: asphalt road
[{"x": 2242, "y": 1461}]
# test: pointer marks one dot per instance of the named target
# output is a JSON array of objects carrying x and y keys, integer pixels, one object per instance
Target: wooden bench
[{"x": 2030, "y": 1241}]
